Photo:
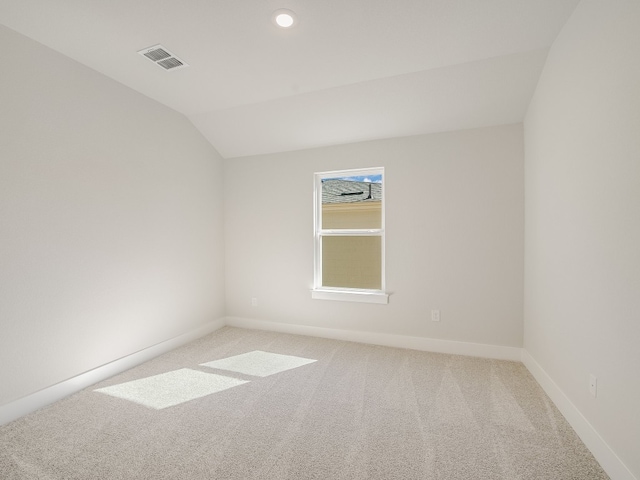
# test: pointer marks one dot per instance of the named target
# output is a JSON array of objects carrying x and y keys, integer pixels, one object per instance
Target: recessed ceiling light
[{"x": 284, "y": 18}]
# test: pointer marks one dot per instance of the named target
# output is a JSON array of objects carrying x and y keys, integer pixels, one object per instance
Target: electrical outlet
[
  {"x": 593, "y": 385},
  {"x": 435, "y": 315},
  {"x": 254, "y": 302}
]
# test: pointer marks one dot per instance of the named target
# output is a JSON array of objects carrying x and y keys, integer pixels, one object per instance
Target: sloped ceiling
[{"x": 350, "y": 70}]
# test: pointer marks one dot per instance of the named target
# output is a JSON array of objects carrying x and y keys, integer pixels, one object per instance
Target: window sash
[
  {"x": 320, "y": 232},
  {"x": 377, "y": 232}
]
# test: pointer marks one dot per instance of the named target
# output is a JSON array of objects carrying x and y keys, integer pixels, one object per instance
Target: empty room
[{"x": 264, "y": 239}]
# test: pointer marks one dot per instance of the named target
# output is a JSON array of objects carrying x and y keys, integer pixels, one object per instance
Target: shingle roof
[{"x": 336, "y": 190}]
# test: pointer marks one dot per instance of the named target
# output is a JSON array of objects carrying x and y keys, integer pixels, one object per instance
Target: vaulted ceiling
[{"x": 349, "y": 70}]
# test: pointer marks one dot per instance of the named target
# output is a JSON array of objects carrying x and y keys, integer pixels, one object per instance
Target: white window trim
[
  {"x": 336, "y": 293},
  {"x": 350, "y": 295}
]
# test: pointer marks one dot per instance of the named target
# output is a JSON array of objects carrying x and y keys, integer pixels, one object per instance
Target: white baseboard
[
  {"x": 385, "y": 339},
  {"x": 22, "y": 406},
  {"x": 609, "y": 461},
  {"x": 602, "y": 452}
]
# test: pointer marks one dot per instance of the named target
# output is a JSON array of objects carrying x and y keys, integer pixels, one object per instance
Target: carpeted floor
[{"x": 319, "y": 409}]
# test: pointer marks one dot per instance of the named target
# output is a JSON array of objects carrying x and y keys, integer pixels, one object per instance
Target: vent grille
[
  {"x": 170, "y": 63},
  {"x": 158, "y": 54},
  {"x": 162, "y": 57}
]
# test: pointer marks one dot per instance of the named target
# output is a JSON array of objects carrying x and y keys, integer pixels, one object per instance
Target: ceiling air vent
[{"x": 162, "y": 57}]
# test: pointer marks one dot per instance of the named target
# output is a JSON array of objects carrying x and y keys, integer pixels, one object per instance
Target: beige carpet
[{"x": 225, "y": 407}]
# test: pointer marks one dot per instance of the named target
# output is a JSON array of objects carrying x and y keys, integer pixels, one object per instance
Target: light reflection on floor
[
  {"x": 180, "y": 386},
  {"x": 259, "y": 363},
  {"x": 171, "y": 388}
]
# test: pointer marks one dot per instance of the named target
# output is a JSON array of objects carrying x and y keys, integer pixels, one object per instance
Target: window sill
[{"x": 362, "y": 296}]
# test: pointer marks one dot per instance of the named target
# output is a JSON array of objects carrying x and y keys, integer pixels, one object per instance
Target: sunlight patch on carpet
[
  {"x": 171, "y": 388},
  {"x": 259, "y": 363}
]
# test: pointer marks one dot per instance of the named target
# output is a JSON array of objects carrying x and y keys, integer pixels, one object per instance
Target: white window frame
[{"x": 339, "y": 293}]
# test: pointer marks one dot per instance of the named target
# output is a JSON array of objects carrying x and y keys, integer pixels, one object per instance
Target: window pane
[
  {"x": 352, "y": 262},
  {"x": 352, "y": 202}
]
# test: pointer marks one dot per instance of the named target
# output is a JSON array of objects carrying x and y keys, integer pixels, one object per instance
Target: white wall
[
  {"x": 582, "y": 280},
  {"x": 110, "y": 220},
  {"x": 455, "y": 232}
]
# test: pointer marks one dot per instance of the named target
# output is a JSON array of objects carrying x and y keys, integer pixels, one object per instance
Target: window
[{"x": 349, "y": 236}]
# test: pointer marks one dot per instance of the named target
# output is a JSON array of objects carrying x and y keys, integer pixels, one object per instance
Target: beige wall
[
  {"x": 352, "y": 262},
  {"x": 110, "y": 220},
  {"x": 352, "y": 215},
  {"x": 454, "y": 236},
  {"x": 582, "y": 137}
]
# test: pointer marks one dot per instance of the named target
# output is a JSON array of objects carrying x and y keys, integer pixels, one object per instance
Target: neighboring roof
[{"x": 336, "y": 190}]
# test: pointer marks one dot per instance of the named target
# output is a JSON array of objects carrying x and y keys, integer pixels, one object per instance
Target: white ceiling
[{"x": 350, "y": 70}]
